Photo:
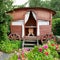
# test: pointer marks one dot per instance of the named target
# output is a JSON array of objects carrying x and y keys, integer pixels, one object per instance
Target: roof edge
[{"x": 53, "y": 12}]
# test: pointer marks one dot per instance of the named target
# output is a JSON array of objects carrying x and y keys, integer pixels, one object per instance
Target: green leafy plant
[
  {"x": 10, "y": 46},
  {"x": 4, "y": 18}
]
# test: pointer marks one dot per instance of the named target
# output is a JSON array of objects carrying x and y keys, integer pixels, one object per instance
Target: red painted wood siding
[
  {"x": 46, "y": 29},
  {"x": 40, "y": 14},
  {"x": 16, "y": 29}
]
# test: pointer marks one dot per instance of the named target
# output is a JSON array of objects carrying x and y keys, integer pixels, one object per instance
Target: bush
[
  {"x": 56, "y": 26},
  {"x": 10, "y": 46}
]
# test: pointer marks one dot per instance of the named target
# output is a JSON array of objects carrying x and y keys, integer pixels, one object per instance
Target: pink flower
[
  {"x": 40, "y": 49},
  {"x": 27, "y": 49},
  {"x": 18, "y": 59},
  {"x": 45, "y": 46}
]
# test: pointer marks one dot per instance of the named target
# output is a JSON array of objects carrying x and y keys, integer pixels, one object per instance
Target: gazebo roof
[{"x": 36, "y": 8}]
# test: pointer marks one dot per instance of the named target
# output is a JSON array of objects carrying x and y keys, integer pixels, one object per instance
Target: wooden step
[
  {"x": 28, "y": 48},
  {"x": 29, "y": 44},
  {"x": 30, "y": 40}
]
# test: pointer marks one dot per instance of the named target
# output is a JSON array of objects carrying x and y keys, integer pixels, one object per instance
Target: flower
[
  {"x": 52, "y": 44},
  {"x": 57, "y": 47},
  {"x": 18, "y": 53},
  {"x": 19, "y": 58},
  {"x": 27, "y": 49},
  {"x": 40, "y": 49},
  {"x": 46, "y": 53},
  {"x": 22, "y": 54},
  {"x": 45, "y": 46}
]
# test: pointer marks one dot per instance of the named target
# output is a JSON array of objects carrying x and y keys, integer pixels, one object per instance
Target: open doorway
[{"x": 31, "y": 26}]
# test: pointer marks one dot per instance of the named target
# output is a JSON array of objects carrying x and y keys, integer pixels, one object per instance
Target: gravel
[{"x": 4, "y": 56}]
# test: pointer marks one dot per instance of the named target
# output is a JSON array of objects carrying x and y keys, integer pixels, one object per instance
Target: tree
[
  {"x": 46, "y": 4},
  {"x": 39, "y": 3},
  {"x": 5, "y": 5},
  {"x": 55, "y": 5},
  {"x": 35, "y": 3},
  {"x": 57, "y": 15}
]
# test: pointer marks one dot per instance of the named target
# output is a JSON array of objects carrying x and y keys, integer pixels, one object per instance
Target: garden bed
[{"x": 48, "y": 51}]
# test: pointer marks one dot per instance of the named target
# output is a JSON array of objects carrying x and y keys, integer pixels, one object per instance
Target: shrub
[
  {"x": 56, "y": 26},
  {"x": 10, "y": 46}
]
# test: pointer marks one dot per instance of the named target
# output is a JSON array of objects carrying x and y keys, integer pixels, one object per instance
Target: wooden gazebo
[{"x": 31, "y": 23}]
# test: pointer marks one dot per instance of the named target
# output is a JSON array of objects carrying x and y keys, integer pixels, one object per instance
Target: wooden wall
[
  {"x": 40, "y": 14},
  {"x": 45, "y": 29},
  {"x": 16, "y": 29}
]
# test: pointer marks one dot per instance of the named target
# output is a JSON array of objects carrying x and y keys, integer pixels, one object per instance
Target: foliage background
[{"x": 7, "y": 6}]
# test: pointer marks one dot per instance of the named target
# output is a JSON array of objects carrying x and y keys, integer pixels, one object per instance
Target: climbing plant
[{"x": 5, "y": 5}]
